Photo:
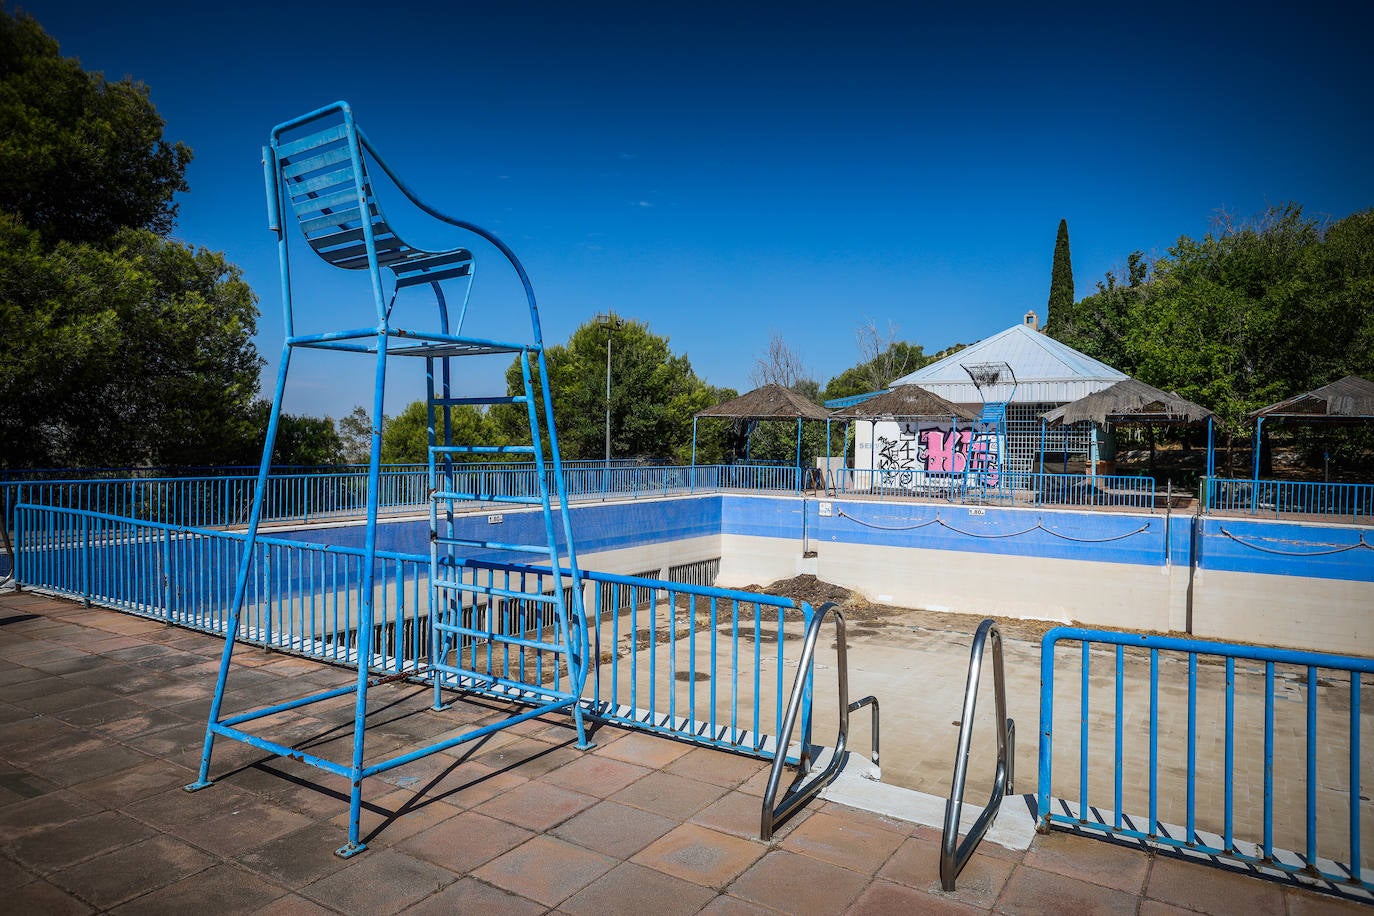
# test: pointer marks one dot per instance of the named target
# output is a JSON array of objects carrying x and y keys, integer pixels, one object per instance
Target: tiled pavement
[{"x": 101, "y": 721}]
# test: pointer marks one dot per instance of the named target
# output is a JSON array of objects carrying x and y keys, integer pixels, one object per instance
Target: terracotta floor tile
[
  {"x": 1303, "y": 902},
  {"x": 725, "y": 905},
  {"x": 293, "y": 905},
  {"x": 735, "y": 813},
  {"x": 718, "y": 767},
  {"x": 1212, "y": 889},
  {"x": 222, "y": 890},
  {"x": 883, "y": 898},
  {"x": 700, "y": 855},
  {"x": 150, "y": 778},
  {"x": 537, "y": 805},
  {"x": 379, "y": 882},
  {"x": 132, "y": 871},
  {"x": 1086, "y": 859},
  {"x": 672, "y": 796},
  {"x": 42, "y": 897},
  {"x": 799, "y": 884},
  {"x": 545, "y": 869},
  {"x": 60, "y": 846},
  {"x": 853, "y": 840},
  {"x": 241, "y": 829},
  {"x": 916, "y": 863},
  {"x": 1032, "y": 892},
  {"x": 44, "y": 811},
  {"x": 394, "y": 816},
  {"x": 468, "y": 895},
  {"x": 592, "y": 774},
  {"x": 614, "y": 829},
  {"x": 465, "y": 841},
  {"x": 627, "y": 889},
  {"x": 645, "y": 750},
  {"x": 298, "y": 858}
]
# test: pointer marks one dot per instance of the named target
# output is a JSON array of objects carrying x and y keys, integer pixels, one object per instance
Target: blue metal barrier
[
  {"x": 1291, "y": 497},
  {"x": 1245, "y": 767},
  {"x": 698, "y": 663},
  {"x": 1006, "y": 488},
  {"x": 665, "y": 666}
]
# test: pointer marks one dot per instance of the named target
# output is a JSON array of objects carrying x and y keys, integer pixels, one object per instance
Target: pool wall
[{"x": 1280, "y": 583}]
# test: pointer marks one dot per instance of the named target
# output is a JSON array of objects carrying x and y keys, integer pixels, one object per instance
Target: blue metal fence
[
  {"x": 1008, "y": 488},
  {"x": 1291, "y": 497},
  {"x": 700, "y": 663},
  {"x": 1268, "y": 716}
]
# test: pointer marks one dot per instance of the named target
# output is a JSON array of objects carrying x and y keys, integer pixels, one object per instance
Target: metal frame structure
[
  {"x": 1108, "y": 819},
  {"x": 316, "y": 169},
  {"x": 953, "y": 854},
  {"x": 800, "y": 702}
]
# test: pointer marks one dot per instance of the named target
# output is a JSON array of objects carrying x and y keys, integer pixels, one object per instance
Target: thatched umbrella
[
  {"x": 1349, "y": 400},
  {"x": 771, "y": 402},
  {"x": 903, "y": 402},
  {"x": 1129, "y": 401},
  {"x": 1133, "y": 401}
]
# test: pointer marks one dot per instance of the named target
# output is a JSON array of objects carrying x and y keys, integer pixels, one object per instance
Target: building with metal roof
[{"x": 1018, "y": 366}]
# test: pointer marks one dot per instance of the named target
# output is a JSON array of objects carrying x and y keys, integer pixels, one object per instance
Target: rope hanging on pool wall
[
  {"x": 1038, "y": 526},
  {"x": 1300, "y": 553}
]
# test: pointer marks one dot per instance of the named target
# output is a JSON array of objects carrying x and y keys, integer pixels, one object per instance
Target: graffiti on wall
[{"x": 922, "y": 450}]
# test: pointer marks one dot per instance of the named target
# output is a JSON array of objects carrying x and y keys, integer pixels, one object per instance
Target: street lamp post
[{"x": 612, "y": 323}]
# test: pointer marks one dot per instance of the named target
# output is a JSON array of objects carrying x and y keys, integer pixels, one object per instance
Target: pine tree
[{"x": 1061, "y": 283}]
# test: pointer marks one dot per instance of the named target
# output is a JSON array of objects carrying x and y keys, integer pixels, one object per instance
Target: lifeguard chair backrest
[{"x": 322, "y": 175}]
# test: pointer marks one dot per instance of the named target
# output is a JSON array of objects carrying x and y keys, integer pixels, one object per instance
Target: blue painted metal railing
[
  {"x": 1291, "y": 497},
  {"x": 699, "y": 663},
  {"x": 1281, "y": 696},
  {"x": 708, "y": 650},
  {"x": 1010, "y": 488}
]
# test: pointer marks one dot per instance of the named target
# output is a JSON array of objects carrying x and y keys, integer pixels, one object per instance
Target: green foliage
[
  {"x": 1242, "y": 318},
  {"x": 80, "y": 158},
  {"x": 117, "y": 345},
  {"x": 137, "y": 353},
  {"x": 654, "y": 394},
  {"x": 875, "y": 374},
  {"x": 303, "y": 441},
  {"x": 1061, "y": 278},
  {"x": 405, "y": 437}
]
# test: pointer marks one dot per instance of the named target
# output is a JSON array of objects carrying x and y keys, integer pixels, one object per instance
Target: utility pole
[{"x": 612, "y": 323}]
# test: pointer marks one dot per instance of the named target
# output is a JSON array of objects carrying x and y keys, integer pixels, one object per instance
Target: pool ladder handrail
[
  {"x": 953, "y": 854},
  {"x": 771, "y": 816}
]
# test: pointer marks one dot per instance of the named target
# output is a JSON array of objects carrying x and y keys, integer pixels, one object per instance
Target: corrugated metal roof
[{"x": 1047, "y": 371}]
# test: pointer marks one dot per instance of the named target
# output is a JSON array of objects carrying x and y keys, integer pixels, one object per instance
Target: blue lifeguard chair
[{"x": 319, "y": 171}]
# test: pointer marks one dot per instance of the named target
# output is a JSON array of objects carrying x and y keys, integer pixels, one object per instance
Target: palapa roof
[
  {"x": 1047, "y": 371},
  {"x": 1129, "y": 401},
  {"x": 901, "y": 402},
  {"x": 771, "y": 402},
  {"x": 1351, "y": 398}
]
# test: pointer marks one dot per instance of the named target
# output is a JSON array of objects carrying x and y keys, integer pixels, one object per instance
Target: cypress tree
[{"x": 1061, "y": 283}]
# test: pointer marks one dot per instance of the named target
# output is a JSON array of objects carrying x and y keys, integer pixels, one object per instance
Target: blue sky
[{"x": 725, "y": 172}]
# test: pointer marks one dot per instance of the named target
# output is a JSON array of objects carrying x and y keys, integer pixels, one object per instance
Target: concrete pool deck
[{"x": 101, "y": 723}]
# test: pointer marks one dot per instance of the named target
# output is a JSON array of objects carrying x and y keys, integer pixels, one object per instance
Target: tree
[
  {"x": 780, "y": 365},
  {"x": 80, "y": 157},
  {"x": 1061, "y": 278},
  {"x": 654, "y": 394},
  {"x": 117, "y": 345},
  {"x": 405, "y": 437},
  {"x": 1256, "y": 311},
  {"x": 355, "y": 436},
  {"x": 881, "y": 361}
]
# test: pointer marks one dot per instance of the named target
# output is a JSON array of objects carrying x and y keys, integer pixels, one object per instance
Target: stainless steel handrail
[
  {"x": 799, "y": 796},
  {"x": 953, "y": 854}
]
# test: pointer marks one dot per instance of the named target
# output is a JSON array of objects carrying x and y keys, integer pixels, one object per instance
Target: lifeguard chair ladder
[{"x": 316, "y": 168}]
